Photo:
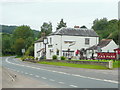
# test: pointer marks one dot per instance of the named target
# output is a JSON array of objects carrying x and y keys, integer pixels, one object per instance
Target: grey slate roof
[
  {"x": 75, "y": 32},
  {"x": 103, "y": 43}
]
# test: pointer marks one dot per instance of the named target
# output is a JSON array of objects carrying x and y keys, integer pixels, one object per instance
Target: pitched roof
[
  {"x": 75, "y": 32},
  {"x": 103, "y": 43}
]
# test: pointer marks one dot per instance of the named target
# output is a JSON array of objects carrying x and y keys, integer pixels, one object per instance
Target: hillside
[{"x": 10, "y": 30}]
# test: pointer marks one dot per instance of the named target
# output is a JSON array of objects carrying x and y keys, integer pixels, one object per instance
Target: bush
[
  {"x": 62, "y": 58},
  {"x": 54, "y": 57},
  {"x": 27, "y": 58}
]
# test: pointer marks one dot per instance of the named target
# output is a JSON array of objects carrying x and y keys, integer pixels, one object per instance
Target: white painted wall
[
  {"x": 38, "y": 46},
  {"x": 110, "y": 47},
  {"x": 58, "y": 43}
]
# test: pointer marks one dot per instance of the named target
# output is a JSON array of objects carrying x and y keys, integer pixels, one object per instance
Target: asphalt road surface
[{"x": 51, "y": 76}]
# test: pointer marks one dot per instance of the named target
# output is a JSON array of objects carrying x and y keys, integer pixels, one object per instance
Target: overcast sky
[{"x": 74, "y": 12}]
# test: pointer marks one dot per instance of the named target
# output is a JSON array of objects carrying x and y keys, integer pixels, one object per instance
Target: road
[{"x": 51, "y": 76}]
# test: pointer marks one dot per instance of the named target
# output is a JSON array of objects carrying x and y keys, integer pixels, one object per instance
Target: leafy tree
[
  {"x": 30, "y": 51},
  {"x": 46, "y": 28},
  {"x": 61, "y": 24},
  {"x": 100, "y": 24},
  {"x": 7, "y": 44},
  {"x": 24, "y": 35},
  {"x": 107, "y": 29},
  {"x": 22, "y": 32},
  {"x": 19, "y": 45}
]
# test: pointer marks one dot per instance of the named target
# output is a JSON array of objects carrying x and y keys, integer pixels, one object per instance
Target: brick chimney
[{"x": 76, "y": 26}]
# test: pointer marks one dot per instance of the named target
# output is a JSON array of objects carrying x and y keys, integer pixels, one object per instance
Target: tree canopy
[
  {"x": 46, "y": 28},
  {"x": 107, "y": 29},
  {"x": 61, "y": 24}
]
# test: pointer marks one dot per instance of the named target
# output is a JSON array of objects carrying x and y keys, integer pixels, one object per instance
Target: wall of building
[
  {"x": 58, "y": 43},
  {"x": 38, "y": 46},
  {"x": 110, "y": 47}
]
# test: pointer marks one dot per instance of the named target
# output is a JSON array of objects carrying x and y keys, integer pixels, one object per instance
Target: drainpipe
[{"x": 61, "y": 45}]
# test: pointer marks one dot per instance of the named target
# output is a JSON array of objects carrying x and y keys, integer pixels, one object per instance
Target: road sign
[{"x": 23, "y": 50}]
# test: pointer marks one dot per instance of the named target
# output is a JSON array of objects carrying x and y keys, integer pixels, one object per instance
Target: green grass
[
  {"x": 74, "y": 65},
  {"x": 18, "y": 56},
  {"x": 94, "y": 60},
  {"x": 116, "y": 64}
]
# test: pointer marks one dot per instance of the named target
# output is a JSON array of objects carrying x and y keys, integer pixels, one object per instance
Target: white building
[
  {"x": 66, "y": 38},
  {"x": 105, "y": 45}
]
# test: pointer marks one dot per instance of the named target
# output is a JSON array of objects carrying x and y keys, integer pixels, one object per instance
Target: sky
[{"x": 74, "y": 12}]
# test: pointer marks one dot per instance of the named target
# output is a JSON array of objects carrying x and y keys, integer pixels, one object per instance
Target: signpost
[{"x": 23, "y": 51}]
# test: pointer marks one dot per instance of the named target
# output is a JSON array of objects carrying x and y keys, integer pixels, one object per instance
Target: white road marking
[
  {"x": 43, "y": 78},
  {"x": 73, "y": 86},
  {"x": 51, "y": 80},
  {"x": 37, "y": 76},
  {"x": 31, "y": 74},
  {"x": 26, "y": 73},
  {"x": 111, "y": 81},
  {"x": 61, "y": 82},
  {"x": 10, "y": 76},
  {"x": 54, "y": 71}
]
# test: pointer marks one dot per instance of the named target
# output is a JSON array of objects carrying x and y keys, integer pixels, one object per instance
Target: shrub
[
  {"x": 54, "y": 57},
  {"x": 62, "y": 58},
  {"x": 36, "y": 58},
  {"x": 27, "y": 58}
]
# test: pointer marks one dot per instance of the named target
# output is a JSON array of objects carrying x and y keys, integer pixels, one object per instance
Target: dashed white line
[
  {"x": 37, "y": 76},
  {"x": 73, "y": 86},
  {"x": 26, "y": 73},
  {"x": 31, "y": 74},
  {"x": 66, "y": 73},
  {"x": 61, "y": 82},
  {"x": 54, "y": 71},
  {"x": 51, "y": 80},
  {"x": 43, "y": 78}
]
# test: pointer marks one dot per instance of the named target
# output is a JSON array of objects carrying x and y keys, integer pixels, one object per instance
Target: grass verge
[
  {"x": 116, "y": 64},
  {"x": 74, "y": 65}
]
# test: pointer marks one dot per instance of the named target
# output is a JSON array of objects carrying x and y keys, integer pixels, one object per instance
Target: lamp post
[{"x": 45, "y": 41}]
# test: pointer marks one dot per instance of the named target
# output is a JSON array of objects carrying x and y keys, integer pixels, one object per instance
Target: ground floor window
[{"x": 68, "y": 53}]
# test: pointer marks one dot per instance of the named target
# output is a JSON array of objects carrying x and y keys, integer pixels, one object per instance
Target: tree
[
  {"x": 100, "y": 24},
  {"x": 107, "y": 29},
  {"x": 46, "y": 28},
  {"x": 61, "y": 24},
  {"x": 24, "y": 35},
  {"x": 22, "y": 32},
  {"x": 30, "y": 51},
  {"x": 7, "y": 44},
  {"x": 19, "y": 45}
]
